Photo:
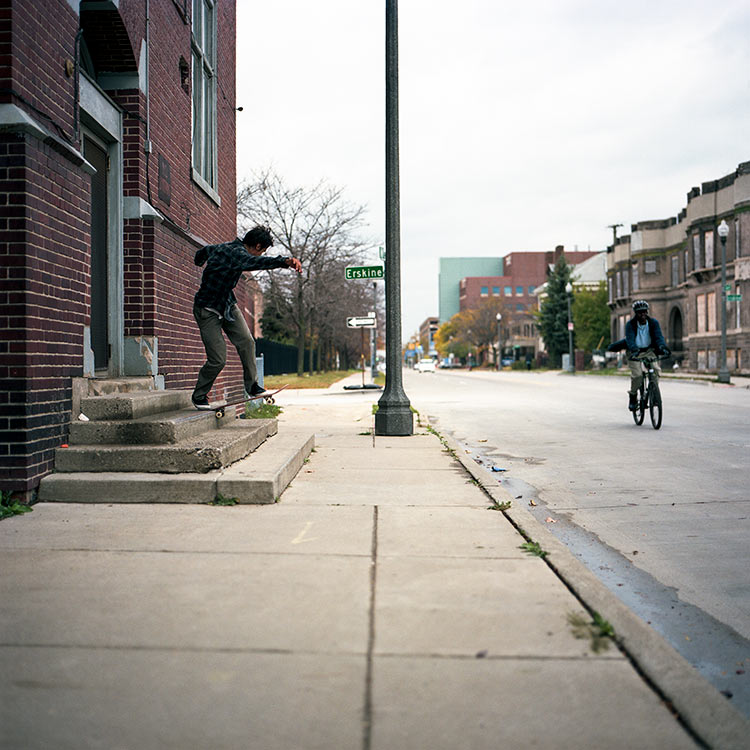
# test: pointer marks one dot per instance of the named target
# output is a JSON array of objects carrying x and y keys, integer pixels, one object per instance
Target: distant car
[{"x": 426, "y": 364}]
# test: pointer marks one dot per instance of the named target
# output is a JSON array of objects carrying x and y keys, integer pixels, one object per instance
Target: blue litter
[{"x": 497, "y": 468}]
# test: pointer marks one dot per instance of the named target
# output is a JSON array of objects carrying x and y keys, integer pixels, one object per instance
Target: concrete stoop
[{"x": 146, "y": 447}]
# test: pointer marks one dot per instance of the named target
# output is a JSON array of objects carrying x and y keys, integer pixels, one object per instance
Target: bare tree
[{"x": 321, "y": 229}]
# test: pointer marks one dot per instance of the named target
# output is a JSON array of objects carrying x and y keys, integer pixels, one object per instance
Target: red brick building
[
  {"x": 117, "y": 161},
  {"x": 522, "y": 274}
]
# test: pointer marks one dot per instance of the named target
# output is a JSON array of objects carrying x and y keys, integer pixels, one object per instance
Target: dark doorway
[
  {"x": 97, "y": 157},
  {"x": 675, "y": 330}
]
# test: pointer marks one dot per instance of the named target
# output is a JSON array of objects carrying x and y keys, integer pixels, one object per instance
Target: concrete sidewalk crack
[{"x": 367, "y": 711}]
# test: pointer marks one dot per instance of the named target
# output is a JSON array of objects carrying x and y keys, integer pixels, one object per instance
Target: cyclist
[{"x": 642, "y": 336}]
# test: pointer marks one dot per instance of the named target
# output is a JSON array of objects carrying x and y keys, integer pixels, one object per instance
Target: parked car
[{"x": 426, "y": 364}]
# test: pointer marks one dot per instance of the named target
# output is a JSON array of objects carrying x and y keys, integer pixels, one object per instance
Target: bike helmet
[{"x": 640, "y": 304}]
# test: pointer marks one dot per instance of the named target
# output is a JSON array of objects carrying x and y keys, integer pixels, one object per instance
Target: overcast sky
[{"x": 524, "y": 125}]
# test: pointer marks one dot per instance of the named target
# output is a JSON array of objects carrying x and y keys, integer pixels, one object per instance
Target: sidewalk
[{"x": 380, "y": 604}]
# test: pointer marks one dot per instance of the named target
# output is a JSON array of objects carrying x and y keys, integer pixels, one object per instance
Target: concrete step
[
  {"x": 134, "y": 405},
  {"x": 211, "y": 450},
  {"x": 259, "y": 478},
  {"x": 155, "y": 429}
]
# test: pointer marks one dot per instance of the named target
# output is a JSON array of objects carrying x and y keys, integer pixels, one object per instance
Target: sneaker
[
  {"x": 257, "y": 390},
  {"x": 633, "y": 403},
  {"x": 201, "y": 403}
]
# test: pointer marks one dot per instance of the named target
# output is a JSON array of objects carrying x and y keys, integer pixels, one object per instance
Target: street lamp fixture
[
  {"x": 499, "y": 317},
  {"x": 571, "y": 363},
  {"x": 723, "y": 231}
]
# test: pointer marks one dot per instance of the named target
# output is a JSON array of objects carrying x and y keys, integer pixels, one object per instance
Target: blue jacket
[{"x": 654, "y": 329}]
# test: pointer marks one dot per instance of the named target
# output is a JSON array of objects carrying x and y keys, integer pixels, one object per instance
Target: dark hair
[{"x": 259, "y": 236}]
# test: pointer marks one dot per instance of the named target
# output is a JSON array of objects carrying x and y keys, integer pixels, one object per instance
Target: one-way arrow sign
[{"x": 361, "y": 322}]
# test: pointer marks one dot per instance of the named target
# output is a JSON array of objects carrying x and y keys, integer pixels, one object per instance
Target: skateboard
[{"x": 268, "y": 397}]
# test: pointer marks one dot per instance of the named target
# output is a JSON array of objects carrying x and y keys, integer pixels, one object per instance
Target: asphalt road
[{"x": 662, "y": 517}]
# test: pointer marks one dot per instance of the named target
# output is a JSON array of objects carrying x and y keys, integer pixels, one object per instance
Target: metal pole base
[
  {"x": 394, "y": 419},
  {"x": 723, "y": 376}
]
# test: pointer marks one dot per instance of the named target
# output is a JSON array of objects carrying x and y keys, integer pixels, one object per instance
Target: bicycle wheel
[
  {"x": 640, "y": 409},
  {"x": 654, "y": 406}
]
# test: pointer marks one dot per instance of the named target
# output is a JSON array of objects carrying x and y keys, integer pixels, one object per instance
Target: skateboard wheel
[{"x": 219, "y": 413}]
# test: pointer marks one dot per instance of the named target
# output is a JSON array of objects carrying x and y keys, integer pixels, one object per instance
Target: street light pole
[
  {"x": 723, "y": 231},
  {"x": 499, "y": 317},
  {"x": 571, "y": 363},
  {"x": 394, "y": 415}
]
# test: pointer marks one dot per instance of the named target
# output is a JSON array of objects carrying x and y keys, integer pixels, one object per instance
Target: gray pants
[
  {"x": 212, "y": 328},
  {"x": 636, "y": 372}
]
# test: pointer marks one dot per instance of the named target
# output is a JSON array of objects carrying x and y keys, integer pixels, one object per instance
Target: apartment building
[
  {"x": 117, "y": 161},
  {"x": 675, "y": 264}
]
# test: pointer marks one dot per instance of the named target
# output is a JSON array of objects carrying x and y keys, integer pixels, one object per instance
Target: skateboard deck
[{"x": 268, "y": 397}]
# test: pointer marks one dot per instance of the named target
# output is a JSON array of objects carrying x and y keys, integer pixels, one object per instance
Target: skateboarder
[{"x": 216, "y": 310}]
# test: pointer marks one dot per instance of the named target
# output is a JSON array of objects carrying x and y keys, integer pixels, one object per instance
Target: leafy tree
[
  {"x": 321, "y": 229},
  {"x": 553, "y": 317},
  {"x": 591, "y": 318},
  {"x": 475, "y": 328}
]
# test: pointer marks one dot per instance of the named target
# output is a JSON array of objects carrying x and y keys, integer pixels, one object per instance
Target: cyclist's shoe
[{"x": 633, "y": 402}]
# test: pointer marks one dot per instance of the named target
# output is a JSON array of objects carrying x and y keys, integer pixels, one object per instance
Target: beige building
[{"x": 675, "y": 264}]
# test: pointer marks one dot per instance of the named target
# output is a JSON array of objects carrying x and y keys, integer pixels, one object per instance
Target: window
[
  {"x": 495, "y": 291},
  {"x": 618, "y": 279},
  {"x": 610, "y": 294},
  {"x": 519, "y": 291},
  {"x": 519, "y": 308},
  {"x": 711, "y": 305},
  {"x": 736, "y": 238},
  {"x": 700, "y": 308},
  {"x": 687, "y": 263},
  {"x": 204, "y": 94},
  {"x": 675, "y": 270},
  {"x": 531, "y": 289},
  {"x": 625, "y": 279},
  {"x": 508, "y": 291},
  {"x": 708, "y": 238},
  {"x": 483, "y": 291},
  {"x": 650, "y": 266},
  {"x": 737, "y": 309},
  {"x": 636, "y": 280},
  {"x": 696, "y": 252}
]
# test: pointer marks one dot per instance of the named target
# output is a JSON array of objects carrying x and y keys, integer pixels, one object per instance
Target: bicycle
[{"x": 649, "y": 395}]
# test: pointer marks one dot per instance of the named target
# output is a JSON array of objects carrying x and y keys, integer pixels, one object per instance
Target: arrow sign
[{"x": 361, "y": 322}]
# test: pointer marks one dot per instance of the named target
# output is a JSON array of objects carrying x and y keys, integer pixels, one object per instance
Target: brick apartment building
[
  {"x": 675, "y": 264},
  {"x": 117, "y": 161},
  {"x": 523, "y": 272}
]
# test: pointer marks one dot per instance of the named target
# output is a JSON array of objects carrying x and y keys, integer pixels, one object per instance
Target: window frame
[{"x": 203, "y": 133}]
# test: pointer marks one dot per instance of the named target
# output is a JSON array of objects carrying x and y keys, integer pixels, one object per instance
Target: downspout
[{"x": 147, "y": 146}]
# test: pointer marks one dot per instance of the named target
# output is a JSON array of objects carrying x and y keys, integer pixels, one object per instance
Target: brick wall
[{"x": 44, "y": 295}]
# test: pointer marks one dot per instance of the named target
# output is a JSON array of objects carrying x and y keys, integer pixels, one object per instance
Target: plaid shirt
[{"x": 225, "y": 265}]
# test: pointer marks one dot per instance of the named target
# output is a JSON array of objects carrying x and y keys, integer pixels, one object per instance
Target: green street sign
[
  {"x": 734, "y": 297},
  {"x": 727, "y": 287},
  {"x": 363, "y": 272}
]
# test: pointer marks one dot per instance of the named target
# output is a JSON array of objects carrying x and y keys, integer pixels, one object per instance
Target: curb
[{"x": 702, "y": 709}]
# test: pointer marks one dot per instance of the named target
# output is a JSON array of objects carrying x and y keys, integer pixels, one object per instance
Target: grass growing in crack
[
  {"x": 534, "y": 548},
  {"x": 264, "y": 411},
  {"x": 597, "y": 630},
  {"x": 500, "y": 506},
  {"x": 10, "y": 507},
  {"x": 221, "y": 500}
]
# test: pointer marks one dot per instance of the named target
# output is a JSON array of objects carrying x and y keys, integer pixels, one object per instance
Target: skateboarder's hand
[{"x": 295, "y": 264}]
